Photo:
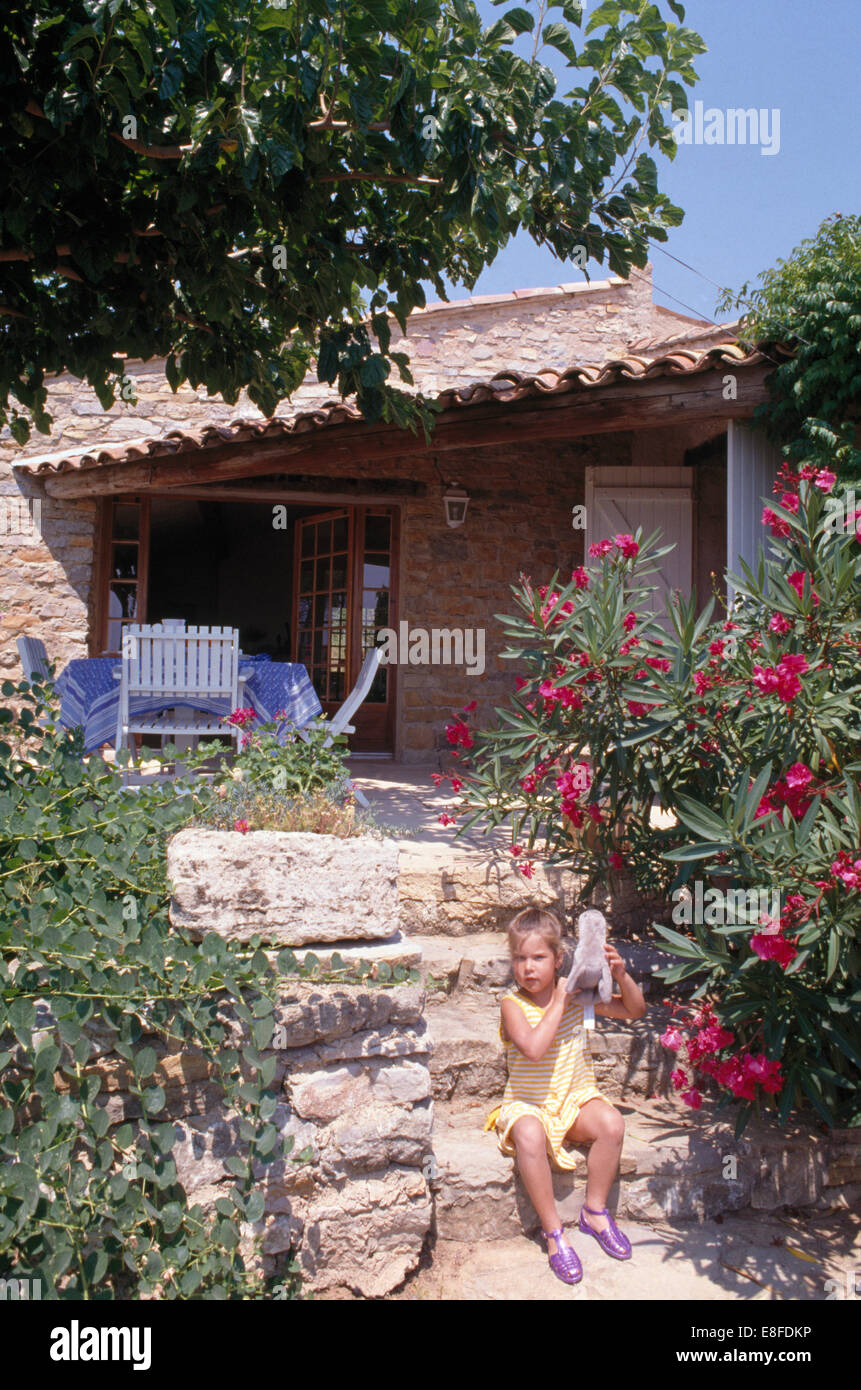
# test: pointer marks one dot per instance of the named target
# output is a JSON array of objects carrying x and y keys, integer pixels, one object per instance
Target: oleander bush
[{"x": 747, "y": 730}]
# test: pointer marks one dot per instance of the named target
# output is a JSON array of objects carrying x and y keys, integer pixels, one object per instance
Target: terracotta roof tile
[{"x": 505, "y": 388}]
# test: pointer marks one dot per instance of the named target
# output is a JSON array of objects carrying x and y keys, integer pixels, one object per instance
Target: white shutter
[
  {"x": 752, "y": 466},
  {"x": 625, "y": 507}
]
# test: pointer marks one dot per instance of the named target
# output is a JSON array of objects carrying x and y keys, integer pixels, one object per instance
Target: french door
[{"x": 343, "y": 595}]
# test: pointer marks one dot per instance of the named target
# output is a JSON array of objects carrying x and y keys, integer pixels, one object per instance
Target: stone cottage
[{"x": 567, "y": 413}]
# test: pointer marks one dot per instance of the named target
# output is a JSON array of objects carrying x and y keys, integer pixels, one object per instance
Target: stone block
[
  {"x": 324, "y": 1095},
  {"x": 288, "y": 888},
  {"x": 366, "y": 1234},
  {"x": 374, "y": 1136}
]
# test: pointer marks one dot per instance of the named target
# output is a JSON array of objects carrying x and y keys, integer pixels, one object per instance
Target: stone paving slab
[{"x": 771, "y": 1257}]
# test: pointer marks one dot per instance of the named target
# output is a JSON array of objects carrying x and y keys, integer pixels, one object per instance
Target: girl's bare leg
[
  {"x": 603, "y": 1124},
  {"x": 531, "y": 1145}
]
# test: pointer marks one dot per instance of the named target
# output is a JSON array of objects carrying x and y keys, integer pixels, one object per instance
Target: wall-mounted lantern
[{"x": 456, "y": 501}]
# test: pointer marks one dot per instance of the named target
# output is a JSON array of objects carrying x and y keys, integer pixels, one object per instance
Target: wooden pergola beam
[{"x": 612, "y": 409}]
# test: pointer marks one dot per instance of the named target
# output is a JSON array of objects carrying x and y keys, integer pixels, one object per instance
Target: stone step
[
  {"x": 468, "y": 1058},
  {"x": 480, "y": 961},
  {"x": 753, "y": 1256},
  {"x": 676, "y": 1164}
]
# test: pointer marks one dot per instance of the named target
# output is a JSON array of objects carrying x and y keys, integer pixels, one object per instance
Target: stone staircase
[{"x": 677, "y": 1164}]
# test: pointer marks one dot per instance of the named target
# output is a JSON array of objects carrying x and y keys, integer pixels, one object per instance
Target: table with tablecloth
[{"x": 89, "y": 692}]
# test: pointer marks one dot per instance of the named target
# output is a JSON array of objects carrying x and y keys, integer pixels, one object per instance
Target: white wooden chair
[
  {"x": 340, "y": 723},
  {"x": 188, "y": 665},
  {"x": 34, "y": 659}
]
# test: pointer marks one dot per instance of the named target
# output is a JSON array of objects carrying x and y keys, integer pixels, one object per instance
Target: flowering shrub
[
  {"x": 296, "y": 767},
  {"x": 747, "y": 730}
]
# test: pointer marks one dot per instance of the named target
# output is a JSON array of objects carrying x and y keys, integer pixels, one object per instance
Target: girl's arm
[{"x": 534, "y": 1042}]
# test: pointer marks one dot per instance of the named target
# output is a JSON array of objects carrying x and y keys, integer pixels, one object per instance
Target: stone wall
[{"x": 352, "y": 1060}]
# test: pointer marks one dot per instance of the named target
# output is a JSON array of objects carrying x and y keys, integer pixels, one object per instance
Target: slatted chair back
[
  {"x": 183, "y": 662},
  {"x": 34, "y": 659}
]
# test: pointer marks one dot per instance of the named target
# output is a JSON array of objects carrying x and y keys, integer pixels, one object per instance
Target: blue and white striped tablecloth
[{"x": 90, "y": 697}]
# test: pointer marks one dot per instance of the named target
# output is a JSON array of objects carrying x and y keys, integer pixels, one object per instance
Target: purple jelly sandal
[
  {"x": 610, "y": 1240},
  {"x": 564, "y": 1261}
]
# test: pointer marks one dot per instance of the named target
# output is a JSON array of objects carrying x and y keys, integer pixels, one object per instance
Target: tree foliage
[
  {"x": 813, "y": 301},
  {"x": 244, "y": 188}
]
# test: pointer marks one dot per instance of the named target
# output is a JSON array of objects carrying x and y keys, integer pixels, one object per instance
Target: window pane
[
  {"x": 306, "y": 576},
  {"x": 125, "y": 562},
  {"x": 324, "y": 571},
  {"x": 321, "y": 610},
  {"x": 122, "y": 601},
  {"x": 324, "y": 537},
  {"x": 339, "y": 572},
  {"x": 307, "y": 540},
  {"x": 377, "y": 533},
  {"x": 339, "y": 534},
  {"x": 115, "y": 628},
  {"x": 376, "y": 572},
  {"x": 126, "y": 515},
  {"x": 305, "y": 612}
]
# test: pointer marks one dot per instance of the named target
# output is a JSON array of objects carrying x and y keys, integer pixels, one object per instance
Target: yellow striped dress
[{"x": 552, "y": 1089}]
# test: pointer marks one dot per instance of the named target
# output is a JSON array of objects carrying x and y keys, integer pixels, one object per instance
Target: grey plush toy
[{"x": 590, "y": 972}]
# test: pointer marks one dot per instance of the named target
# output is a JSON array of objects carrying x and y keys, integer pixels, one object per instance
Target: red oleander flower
[
  {"x": 456, "y": 784},
  {"x": 473, "y": 704},
  {"x": 629, "y": 622},
  {"x": 779, "y": 528},
  {"x": 779, "y": 624},
  {"x": 241, "y": 717},
  {"x": 692, "y": 1098},
  {"x": 627, "y": 545},
  {"x": 796, "y": 579},
  {"x": 616, "y": 861},
  {"x": 242, "y": 826},
  {"x": 458, "y": 734},
  {"x": 825, "y": 480},
  {"x": 446, "y": 819},
  {"x": 527, "y": 868},
  {"x": 600, "y": 548},
  {"x": 580, "y": 577}
]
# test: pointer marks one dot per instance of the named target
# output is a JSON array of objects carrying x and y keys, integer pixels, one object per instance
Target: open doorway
[{"x": 301, "y": 584}]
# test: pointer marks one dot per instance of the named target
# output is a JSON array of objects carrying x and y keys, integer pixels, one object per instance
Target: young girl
[{"x": 551, "y": 1096}]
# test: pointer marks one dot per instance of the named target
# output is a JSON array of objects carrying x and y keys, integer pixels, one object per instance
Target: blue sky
[{"x": 743, "y": 209}]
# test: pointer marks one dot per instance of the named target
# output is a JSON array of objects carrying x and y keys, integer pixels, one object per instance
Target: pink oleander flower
[
  {"x": 436, "y": 778},
  {"x": 629, "y": 622},
  {"x": 527, "y": 868},
  {"x": 773, "y": 947},
  {"x": 516, "y": 851},
  {"x": 847, "y": 869},
  {"x": 580, "y": 577},
  {"x": 473, "y": 704},
  {"x": 678, "y": 1079},
  {"x": 796, "y": 579},
  {"x": 825, "y": 480},
  {"x": 636, "y": 708},
  {"x": 520, "y": 682},
  {"x": 242, "y": 826},
  {"x": 692, "y": 1098},
  {"x": 456, "y": 784},
  {"x": 789, "y": 500},
  {"x": 779, "y": 528},
  {"x": 599, "y": 549},
  {"x": 672, "y": 1039},
  {"x": 627, "y": 545},
  {"x": 594, "y": 810},
  {"x": 446, "y": 819},
  {"x": 779, "y": 624},
  {"x": 458, "y": 733}
]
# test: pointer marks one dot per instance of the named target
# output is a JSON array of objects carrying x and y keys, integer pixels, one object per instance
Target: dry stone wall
[{"x": 352, "y": 1060}]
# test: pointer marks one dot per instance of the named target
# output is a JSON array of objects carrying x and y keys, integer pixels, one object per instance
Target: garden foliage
[{"x": 89, "y": 964}]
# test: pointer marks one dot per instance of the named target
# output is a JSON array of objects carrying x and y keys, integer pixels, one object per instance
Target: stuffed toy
[{"x": 590, "y": 972}]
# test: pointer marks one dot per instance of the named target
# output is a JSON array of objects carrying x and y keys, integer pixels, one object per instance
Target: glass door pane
[{"x": 321, "y": 608}]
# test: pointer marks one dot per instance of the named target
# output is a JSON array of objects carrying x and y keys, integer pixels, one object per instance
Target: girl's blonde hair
[{"x": 537, "y": 921}]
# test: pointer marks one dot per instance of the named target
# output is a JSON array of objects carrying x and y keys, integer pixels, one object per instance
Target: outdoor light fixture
[{"x": 456, "y": 501}]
